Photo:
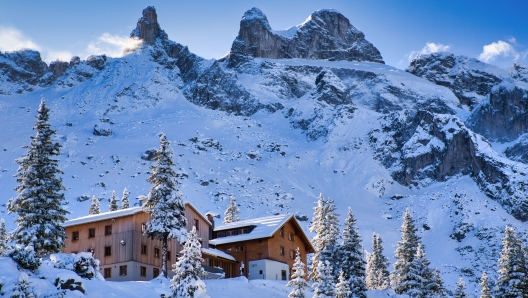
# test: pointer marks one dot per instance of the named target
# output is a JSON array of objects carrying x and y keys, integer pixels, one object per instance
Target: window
[
  {"x": 220, "y": 234},
  {"x": 108, "y": 272},
  {"x": 75, "y": 236},
  {"x": 196, "y": 224},
  {"x": 123, "y": 270},
  {"x": 242, "y": 231},
  {"x": 108, "y": 230},
  {"x": 283, "y": 274},
  {"x": 143, "y": 227},
  {"x": 108, "y": 251},
  {"x": 143, "y": 249},
  {"x": 281, "y": 233},
  {"x": 156, "y": 252},
  {"x": 292, "y": 254},
  {"x": 155, "y": 272},
  {"x": 91, "y": 233},
  {"x": 239, "y": 248},
  {"x": 291, "y": 236},
  {"x": 143, "y": 271},
  {"x": 168, "y": 256},
  {"x": 260, "y": 271},
  {"x": 281, "y": 250},
  {"x": 227, "y": 250},
  {"x": 229, "y": 233}
]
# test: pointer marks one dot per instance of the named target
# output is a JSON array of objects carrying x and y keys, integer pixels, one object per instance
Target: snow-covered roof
[
  {"x": 102, "y": 216},
  {"x": 217, "y": 253},
  {"x": 118, "y": 213},
  {"x": 265, "y": 227}
]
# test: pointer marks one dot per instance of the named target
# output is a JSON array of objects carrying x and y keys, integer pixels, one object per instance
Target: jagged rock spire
[{"x": 148, "y": 28}]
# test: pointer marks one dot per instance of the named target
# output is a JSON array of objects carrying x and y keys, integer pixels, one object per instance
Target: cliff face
[{"x": 325, "y": 35}]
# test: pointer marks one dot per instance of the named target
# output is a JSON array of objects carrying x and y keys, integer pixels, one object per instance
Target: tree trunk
[{"x": 164, "y": 257}]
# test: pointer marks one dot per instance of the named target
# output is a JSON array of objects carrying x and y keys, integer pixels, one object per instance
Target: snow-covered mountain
[{"x": 287, "y": 115}]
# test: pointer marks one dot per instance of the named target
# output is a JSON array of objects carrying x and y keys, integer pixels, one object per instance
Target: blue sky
[{"x": 494, "y": 31}]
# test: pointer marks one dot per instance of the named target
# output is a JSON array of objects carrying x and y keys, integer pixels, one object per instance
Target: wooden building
[
  {"x": 265, "y": 247},
  {"x": 116, "y": 239}
]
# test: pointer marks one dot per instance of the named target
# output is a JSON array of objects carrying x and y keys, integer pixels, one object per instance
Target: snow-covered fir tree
[
  {"x": 297, "y": 281},
  {"x": 324, "y": 286},
  {"x": 325, "y": 225},
  {"x": 164, "y": 202},
  {"x": 436, "y": 285},
  {"x": 22, "y": 288},
  {"x": 342, "y": 290},
  {"x": 351, "y": 260},
  {"x": 512, "y": 280},
  {"x": 404, "y": 255},
  {"x": 4, "y": 247},
  {"x": 377, "y": 266},
  {"x": 188, "y": 269},
  {"x": 125, "y": 202},
  {"x": 485, "y": 291},
  {"x": 113, "y": 202},
  {"x": 460, "y": 290},
  {"x": 40, "y": 198},
  {"x": 232, "y": 212},
  {"x": 421, "y": 280},
  {"x": 95, "y": 206}
]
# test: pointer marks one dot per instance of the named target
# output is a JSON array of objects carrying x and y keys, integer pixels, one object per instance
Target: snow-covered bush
[
  {"x": 82, "y": 263},
  {"x": 22, "y": 288},
  {"x": 25, "y": 257},
  {"x": 69, "y": 282}
]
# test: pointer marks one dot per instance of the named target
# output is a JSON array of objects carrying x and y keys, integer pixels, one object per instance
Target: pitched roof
[
  {"x": 265, "y": 227},
  {"x": 217, "y": 253},
  {"x": 119, "y": 213}
]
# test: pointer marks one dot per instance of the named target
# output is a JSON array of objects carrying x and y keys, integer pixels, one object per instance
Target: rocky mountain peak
[
  {"x": 148, "y": 28},
  {"x": 325, "y": 35}
]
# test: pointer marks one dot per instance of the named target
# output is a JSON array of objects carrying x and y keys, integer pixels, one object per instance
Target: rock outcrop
[
  {"x": 420, "y": 147},
  {"x": 148, "y": 29},
  {"x": 519, "y": 150},
  {"x": 326, "y": 34}
]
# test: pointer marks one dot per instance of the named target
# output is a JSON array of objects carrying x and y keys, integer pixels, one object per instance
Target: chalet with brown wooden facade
[
  {"x": 265, "y": 247},
  {"x": 116, "y": 239}
]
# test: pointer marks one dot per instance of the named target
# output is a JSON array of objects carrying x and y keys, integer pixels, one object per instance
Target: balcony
[{"x": 212, "y": 272}]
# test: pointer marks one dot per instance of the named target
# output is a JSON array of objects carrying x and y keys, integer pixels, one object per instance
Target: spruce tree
[
  {"x": 125, "y": 203},
  {"x": 113, "y": 202},
  {"x": 325, "y": 225},
  {"x": 436, "y": 285},
  {"x": 512, "y": 280},
  {"x": 22, "y": 287},
  {"x": 377, "y": 266},
  {"x": 342, "y": 289},
  {"x": 485, "y": 292},
  {"x": 164, "y": 202},
  {"x": 95, "y": 206},
  {"x": 232, "y": 212},
  {"x": 3, "y": 238},
  {"x": 351, "y": 258},
  {"x": 420, "y": 281},
  {"x": 324, "y": 286},
  {"x": 40, "y": 198},
  {"x": 297, "y": 281},
  {"x": 460, "y": 290},
  {"x": 188, "y": 269},
  {"x": 404, "y": 255}
]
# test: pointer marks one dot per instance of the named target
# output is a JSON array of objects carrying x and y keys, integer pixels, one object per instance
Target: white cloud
[
  {"x": 498, "y": 49},
  {"x": 111, "y": 45},
  {"x": 429, "y": 48},
  {"x": 57, "y": 55},
  {"x": 12, "y": 39}
]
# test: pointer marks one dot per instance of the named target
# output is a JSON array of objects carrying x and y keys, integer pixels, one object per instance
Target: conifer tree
[
  {"x": 342, "y": 289},
  {"x": 377, "y": 273},
  {"x": 512, "y": 280},
  {"x": 485, "y": 292},
  {"x": 232, "y": 212},
  {"x": 164, "y": 202},
  {"x": 297, "y": 281},
  {"x": 324, "y": 286},
  {"x": 3, "y": 238},
  {"x": 351, "y": 258},
  {"x": 325, "y": 225},
  {"x": 404, "y": 255},
  {"x": 188, "y": 269},
  {"x": 419, "y": 281},
  {"x": 22, "y": 287},
  {"x": 460, "y": 291},
  {"x": 436, "y": 285},
  {"x": 40, "y": 197},
  {"x": 113, "y": 202},
  {"x": 95, "y": 206},
  {"x": 125, "y": 203}
]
